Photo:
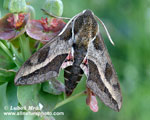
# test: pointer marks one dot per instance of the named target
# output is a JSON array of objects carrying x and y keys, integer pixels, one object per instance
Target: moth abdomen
[{"x": 72, "y": 76}]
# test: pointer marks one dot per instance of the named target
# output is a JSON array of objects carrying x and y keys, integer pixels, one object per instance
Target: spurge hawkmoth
[{"x": 78, "y": 49}]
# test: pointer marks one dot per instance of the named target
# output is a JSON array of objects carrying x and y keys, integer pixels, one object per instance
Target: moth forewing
[
  {"x": 45, "y": 63},
  {"x": 102, "y": 79}
]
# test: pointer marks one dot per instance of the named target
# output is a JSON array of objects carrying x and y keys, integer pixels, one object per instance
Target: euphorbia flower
[
  {"x": 91, "y": 100},
  {"x": 13, "y": 25},
  {"x": 44, "y": 30}
]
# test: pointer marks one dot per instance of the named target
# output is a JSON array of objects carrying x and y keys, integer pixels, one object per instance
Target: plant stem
[
  {"x": 7, "y": 51},
  {"x": 39, "y": 46},
  {"x": 25, "y": 47},
  {"x": 69, "y": 99}
]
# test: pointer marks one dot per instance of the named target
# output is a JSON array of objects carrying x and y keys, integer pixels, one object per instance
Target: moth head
[{"x": 85, "y": 25}]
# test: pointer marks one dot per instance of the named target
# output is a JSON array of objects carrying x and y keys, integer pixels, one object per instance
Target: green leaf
[
  {"x": 8, "y": 48},
  {"x": 11, "y": 94},
  {"x": 33, "y": 96},
  {"x": 53, "y": 87},
  {"x": 55, "y": 7},
  {"x": 6, "y": 4},
  {"x": 6, "y": 75},
  {"x": 69, "y": 99},
  {"x": 17, "y": 6},
  {"x": 6, "y": 61},
  {"x": 28, "y": 95},
  {"x": 33, "y": 117},
  {"x": 2, "y": 83},
  {"x": 16, "y": 55},
  {"x": 25, "y": 47},
  {"x": 4, "y": 106},
  {"x": 39, "y": 46}
]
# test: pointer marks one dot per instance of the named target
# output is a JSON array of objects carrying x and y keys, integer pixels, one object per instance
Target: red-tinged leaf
[
  {"x": 12, "y": 26},
  {"x": 57, "y": 25},
  {"x": 43, "y": 30},
  {"x": 93, "y": 104},
  {"x": 91, "y": 100}
]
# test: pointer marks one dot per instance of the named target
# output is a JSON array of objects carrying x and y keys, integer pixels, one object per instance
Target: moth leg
[
  {"x": 84, "y": 66},
  {"x": 68, "y": 61}
]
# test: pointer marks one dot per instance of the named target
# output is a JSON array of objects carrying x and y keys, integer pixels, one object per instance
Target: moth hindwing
[{"x": 79, "y": 49}]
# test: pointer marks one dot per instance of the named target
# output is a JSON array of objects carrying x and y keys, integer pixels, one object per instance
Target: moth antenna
[
  {"x": 11, "y": 70},
  {"x": 51, "y": 15},
  {"x": 109, "y": 37}
]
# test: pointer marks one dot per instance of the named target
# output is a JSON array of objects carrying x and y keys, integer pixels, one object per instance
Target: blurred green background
[{"x": 128, "y": 22}]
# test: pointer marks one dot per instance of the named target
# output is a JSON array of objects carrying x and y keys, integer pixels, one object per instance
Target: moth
[{"x": 78, "y": 49}]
